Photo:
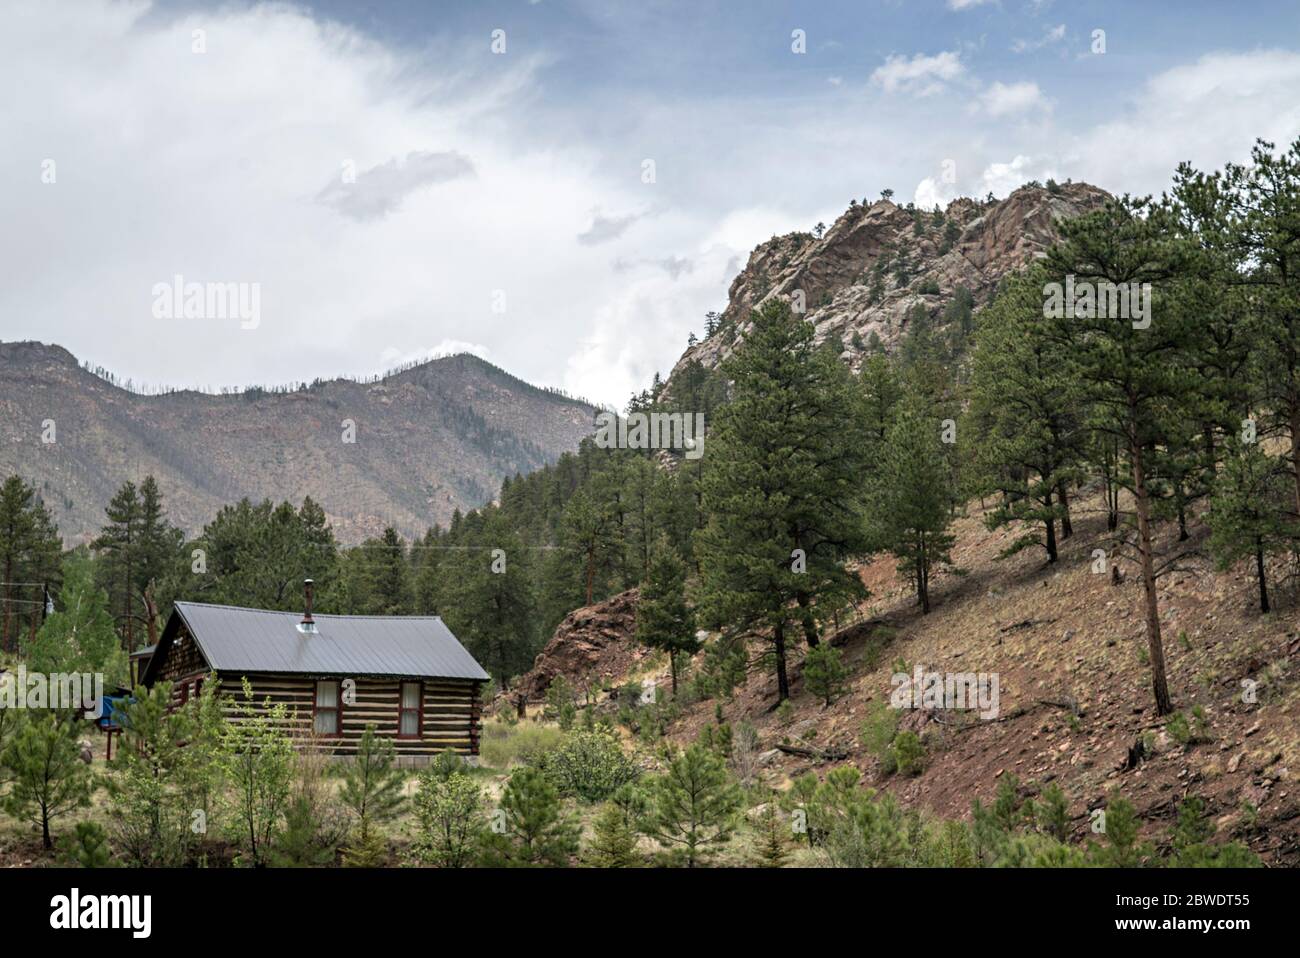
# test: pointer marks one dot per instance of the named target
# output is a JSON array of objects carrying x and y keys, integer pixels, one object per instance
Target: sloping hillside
[
  {"x": 429, "y": 439},
  {"x": 1066, "y": 645}
]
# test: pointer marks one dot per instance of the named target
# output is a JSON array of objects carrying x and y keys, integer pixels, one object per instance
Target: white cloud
[
  {"x": 1006, "y": 99},
  {"x": 931, "y": 192},
  {"x": 919, "y": 76},
  {"x": 378, "y": 191},
  {"x": 1054, "y": 35},
  {"x": 967, "y": 4},
  {"x": 1207, "y": 112},
  {"x": 1001, "y": 179},
  {"x": 226, "y": 167},
  {"x": 605, "y": 228}
]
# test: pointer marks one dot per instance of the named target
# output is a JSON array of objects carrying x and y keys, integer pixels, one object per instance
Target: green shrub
[
  {"x": 588, "y": 765},
  {"x": 879, "y": 729},
  {"x": 1189, "y": 731},
  {"x": 534, "y": 827},
  {"x": 90, "y": 847},
  {"x": 824, "y": 672},
  {"x": 449, "y": 810},
  {"x": 909, "y": 753},
  {"x": 1052, "y": 813}
]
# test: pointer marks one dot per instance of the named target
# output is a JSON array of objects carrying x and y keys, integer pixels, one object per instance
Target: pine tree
[
  {"x": 663, "y": 619},
  {"x": 29, "y": 554},
  {"x": 119, "y": 547},
  {"x": 824, "y": 673},
  {"x": 1133, "y": 373},
  {"x": 1249, "y": 512},
  {"x": 386, "y": 575},
  {"x": 694, "y": 805},
  {"x": 588, "y": 541},
  {"x": 1261, "y": 206},
  {"x": 773, "y": 850},
  {"x": 613, "y": 842},
  {"x": 91, "y": 846},
  {"x": 534, "y": 829},
  {"x": 910, "y": 501},
  {"x": 372, "y": 784},
  {"x": 48, "y": 777},
  {"x": 160, "y": 550},
  {"x": 1024, "y": 422},
  {"x": 783, "y": 487}
]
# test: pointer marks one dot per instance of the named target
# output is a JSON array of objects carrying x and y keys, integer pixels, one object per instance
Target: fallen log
[{"x": 821, "y": 754}]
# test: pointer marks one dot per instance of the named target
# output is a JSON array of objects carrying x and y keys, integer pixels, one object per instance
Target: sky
[{"x": 564, "y": 187}]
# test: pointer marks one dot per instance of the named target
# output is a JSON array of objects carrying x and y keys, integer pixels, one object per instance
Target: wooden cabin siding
[
  {"x": 451, "y": 711},
  {"x": 183, "y": 666}
]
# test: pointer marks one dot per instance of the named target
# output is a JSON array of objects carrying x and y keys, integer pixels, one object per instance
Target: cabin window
[
  {"x": 409, "y": 711},
  {"x": 327, "y": 708},
  {"x": 198, "y": 688}
]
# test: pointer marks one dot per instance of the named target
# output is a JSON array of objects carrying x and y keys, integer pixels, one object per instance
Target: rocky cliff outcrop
[
  {"x": 862, "y": 278},
  {"x": 595, "y": 643}
]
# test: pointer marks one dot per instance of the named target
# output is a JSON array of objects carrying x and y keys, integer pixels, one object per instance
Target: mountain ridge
[{"x": 426, "y": 439}]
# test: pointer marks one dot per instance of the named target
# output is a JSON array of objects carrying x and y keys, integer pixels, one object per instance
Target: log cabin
[{"x": 409, "y": 675}]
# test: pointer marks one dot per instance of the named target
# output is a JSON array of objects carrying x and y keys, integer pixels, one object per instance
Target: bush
[
  {"x": 524, "y": 743},
  {"x": 909, "y": 753},
  {"x": 589, "y": 765},
  {"x": 879, "y": 729},
  {"x": 1052, "y": 813},
  {"x": 1189, "y": 731},
  {"x": 91, "y": 846},
  {"x": 449, "y": 811},
  {"x": 534, "y": 829},
  {"x": 824, "y": 672}
]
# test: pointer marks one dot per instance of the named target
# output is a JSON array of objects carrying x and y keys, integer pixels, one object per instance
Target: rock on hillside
[
  {"x": 975, "y": 245},
  {"x": 594, "y": 643}
]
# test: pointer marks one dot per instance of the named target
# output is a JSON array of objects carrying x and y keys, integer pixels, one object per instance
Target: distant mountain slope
[
  {"x": 850, "y": 276},
  {"x": 428, "y": 439}
]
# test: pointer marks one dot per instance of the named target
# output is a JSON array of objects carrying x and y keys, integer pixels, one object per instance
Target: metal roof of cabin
[{"x": 234, "y": 639}]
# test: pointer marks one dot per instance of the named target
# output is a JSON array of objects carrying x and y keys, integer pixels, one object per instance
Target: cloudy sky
[{"x": 566, "y": 197}]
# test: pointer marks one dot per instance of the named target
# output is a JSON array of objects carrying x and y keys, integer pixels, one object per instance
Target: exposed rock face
[
  {"x": 429, "y": 439},
  {"x": 596, "y": 642},
  {"x": 974, "y": 246}
]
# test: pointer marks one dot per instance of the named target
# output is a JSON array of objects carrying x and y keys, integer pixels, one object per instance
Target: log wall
[{"x": 451, "y": 716}]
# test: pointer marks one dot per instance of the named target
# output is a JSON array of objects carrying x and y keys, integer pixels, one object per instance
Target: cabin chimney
[{"x": 309, "y": 592}]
